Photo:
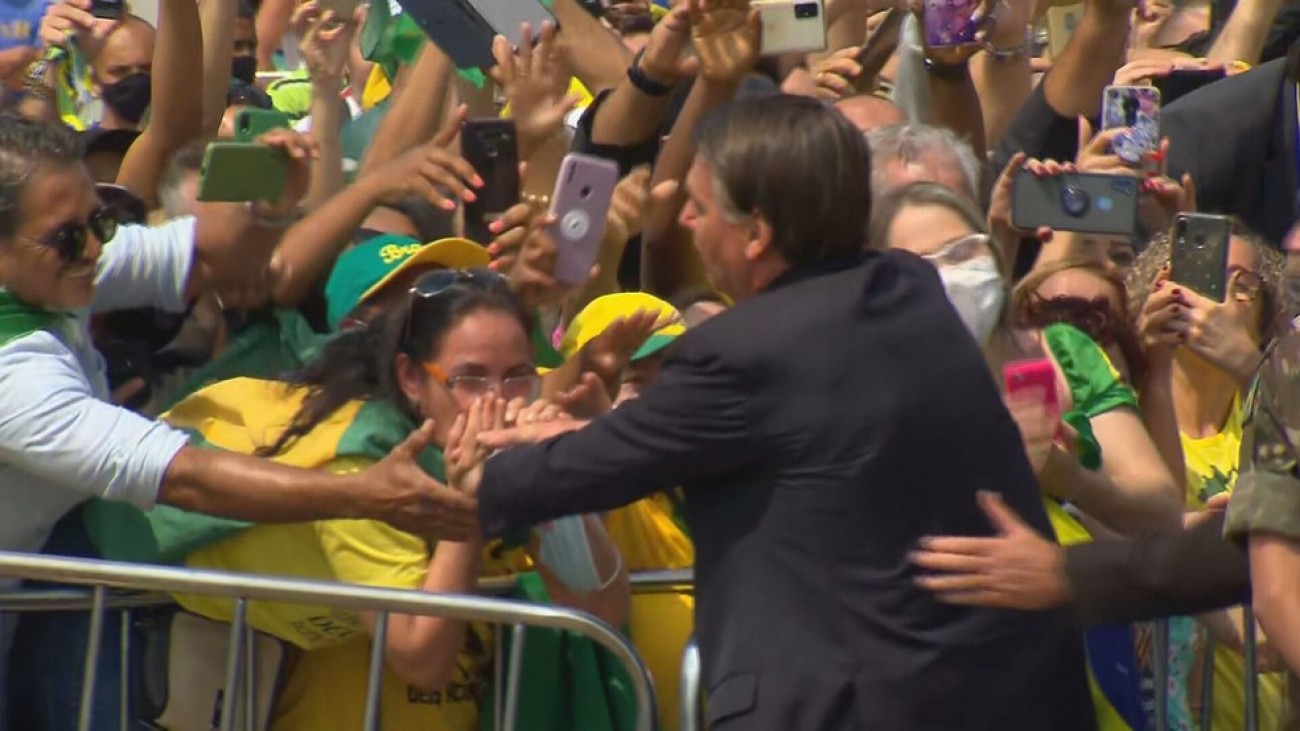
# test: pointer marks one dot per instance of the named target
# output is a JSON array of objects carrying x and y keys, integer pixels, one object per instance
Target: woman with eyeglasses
[
  {"x": 1208, "y": 352},
  {"x": 458, "y": 347},
  {"x": 949, "y": 231}
]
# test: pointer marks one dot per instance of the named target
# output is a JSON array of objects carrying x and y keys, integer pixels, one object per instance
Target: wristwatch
[{"x": 643, "y": 83}]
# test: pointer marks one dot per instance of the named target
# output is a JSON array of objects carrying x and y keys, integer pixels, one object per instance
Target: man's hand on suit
[{"x": 1016, "y": 569}]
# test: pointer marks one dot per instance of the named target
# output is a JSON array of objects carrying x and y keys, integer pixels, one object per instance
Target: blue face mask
[{"x": 566, "y": 552}]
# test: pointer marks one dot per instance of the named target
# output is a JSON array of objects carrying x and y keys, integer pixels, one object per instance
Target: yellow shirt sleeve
[{"x": 369, "y": 552}]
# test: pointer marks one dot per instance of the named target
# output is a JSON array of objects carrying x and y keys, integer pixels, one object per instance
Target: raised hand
[
  {"x": 535, "y": 80},
  {"x": 73, "y": 19},
  {"x": 727, "y": 37},
  {"x": 400, "y": 492},
  {"x": 834, "y": 74},
  {"x": 664, "y": 61},
  {"x": 525, "y": 252},
  {"x": 627, "y": 210},
  {"x": 432, "y": 172},
  {"x": 324, "y": 41},
  {"x": 608, "y": 353},
  {"x": 587, "y": 400},
  {"x": 300, "y": 150}
]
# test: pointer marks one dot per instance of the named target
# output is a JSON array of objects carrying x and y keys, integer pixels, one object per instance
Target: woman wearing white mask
[{"x": 947, "y": 230}]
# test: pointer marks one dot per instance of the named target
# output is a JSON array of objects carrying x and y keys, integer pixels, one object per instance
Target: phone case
[
  {"x": 791, "y": 26},
  {"x": 464, "y": 29},
  {"x": 583, "y": 192},
  {"x": 242, "y": 171},
  {"x": 1061, "y": 22},
  {"x": 343, "y": 10},
  {"x": 492, "y": 148},
  {"x": 1136, "y": 108},
  {"x": 251, "y": 123},
  {"x": 1022, "y": 375},
  {"x": 948, "y": 22},
  {"x": 1083, "y": 202},
  {"x": 1198, "y": 256}
]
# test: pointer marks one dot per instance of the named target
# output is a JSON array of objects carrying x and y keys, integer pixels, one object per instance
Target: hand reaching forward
[
  {"x": 398, "y": 491},
  {"x": 535, "y": 80}
]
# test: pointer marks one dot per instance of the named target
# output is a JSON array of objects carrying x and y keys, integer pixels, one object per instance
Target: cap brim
[
  {"x": 653, "y": 344},
  {"x": 445, "y": 253}
]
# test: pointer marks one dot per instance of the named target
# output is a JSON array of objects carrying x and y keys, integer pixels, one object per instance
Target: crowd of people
[{"x": 786, "y": 368}]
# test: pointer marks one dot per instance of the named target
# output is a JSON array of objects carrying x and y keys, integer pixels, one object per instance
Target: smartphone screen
[
  {"x": 948, "y": 22},
  {"x": 1136, "y": 109},
  {"x": 1033, "y": 377},
  {"x": 1199, "y": 255}
]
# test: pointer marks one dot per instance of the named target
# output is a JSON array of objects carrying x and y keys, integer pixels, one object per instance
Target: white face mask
[
  {"x": 565, "y": 551},
  {"x": 975, "y": 289}
]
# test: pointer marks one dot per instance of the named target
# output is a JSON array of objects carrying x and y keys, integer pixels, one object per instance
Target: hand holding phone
[
  {"x": 1094, "y": 203},
  {"x": 949, "y": 23},
  {"x": 580, "y": 206},
  {"x": 1136, "y": 109},
  {"x": 491, "y": 147},
  {"x": 1198, "y": 255},
  {"x": 1033, "y": 382},
  {"x": 242, "y": 171}
]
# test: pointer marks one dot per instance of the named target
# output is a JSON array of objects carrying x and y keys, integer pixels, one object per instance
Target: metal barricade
[
  {"x": 103, "y": 575},
  {"x": 1250, "y": 682}
]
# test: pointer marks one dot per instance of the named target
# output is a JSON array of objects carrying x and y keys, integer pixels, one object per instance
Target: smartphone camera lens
[
  {"x": 585, "y": 193},
  {"x": 805, "y": 10},
  {"x": 1074, "y": 201}
]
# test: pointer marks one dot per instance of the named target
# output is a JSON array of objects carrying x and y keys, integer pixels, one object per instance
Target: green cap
[{"x": 366, "y": 268}]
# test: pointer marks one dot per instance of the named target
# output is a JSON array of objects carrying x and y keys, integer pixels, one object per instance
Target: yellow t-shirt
[
  {"x": 659, "y": 622},
  {"x": 326, "y": 685},
  {"x": 1212, "y": 464}
]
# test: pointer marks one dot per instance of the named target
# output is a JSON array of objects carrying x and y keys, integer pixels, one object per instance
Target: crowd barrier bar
[
  {"x": 103, "y": 575},
  {"x": 692, "y": 705},
  {"x": 1250, "y": 681}
]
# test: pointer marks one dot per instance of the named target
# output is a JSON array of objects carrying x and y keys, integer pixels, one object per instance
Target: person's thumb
[
  {"x": 1218, "y": 502},
  {"x": 664, "y": 191},
  {"x": 1003, "y": 518},
  {"x": 418, "y": 440}
]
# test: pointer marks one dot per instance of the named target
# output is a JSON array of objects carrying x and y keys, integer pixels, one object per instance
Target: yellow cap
[{"x": 603, "y": 311}]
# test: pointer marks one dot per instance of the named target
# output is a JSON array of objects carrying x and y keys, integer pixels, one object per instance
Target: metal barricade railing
[{"x": 103, "y": 575}]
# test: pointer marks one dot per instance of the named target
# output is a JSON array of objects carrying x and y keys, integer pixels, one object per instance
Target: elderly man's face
[{"x": 928, "y": 167}]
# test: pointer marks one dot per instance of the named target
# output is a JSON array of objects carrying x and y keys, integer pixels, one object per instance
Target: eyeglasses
[
  {"x": 959, "y": 250},
  {"x": 433, "y": 287},
  {"x": 69, "y": 240},
  {"x": 527, "y": 387}
]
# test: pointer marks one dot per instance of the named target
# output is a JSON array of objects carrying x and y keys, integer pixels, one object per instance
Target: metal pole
[
  {"x": 168, "y": 579},
  {"x": 124, "y": 683},
  {"x": 234, "y": 658},
  {"x": 498, "y": 677},
  {"x": 1207, "y": 682},
  {"x": 1160, "y": 668},
  {"x": 517, "y": 640},
  {"x": 375, "y": 679},
  {"x": 689, "y": 693},
  {"x": 89, "y": 675},
  {"x": 1252, "y": 668},
  {"x": 250, "y": 681}
]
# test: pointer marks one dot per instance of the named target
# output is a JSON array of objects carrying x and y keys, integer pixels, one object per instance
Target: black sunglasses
[
  {"x": 69, "y": 240},
  {"x": 433, "y": 287}
]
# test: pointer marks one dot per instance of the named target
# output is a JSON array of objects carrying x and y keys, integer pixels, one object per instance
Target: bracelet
[
  {"x": 643, "y": 83},
  {"x": 277, "y": 223},
  {"x": 954, "y": 72},
  {"x": 1013, "y": 53}
]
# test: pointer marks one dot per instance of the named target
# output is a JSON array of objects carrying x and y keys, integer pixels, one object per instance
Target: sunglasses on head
[
  {"x": 69, "y": 239},
  {"x": 433, "y": 287}
]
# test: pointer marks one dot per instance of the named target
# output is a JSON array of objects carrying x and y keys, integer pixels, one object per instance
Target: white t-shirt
[{"x": 61, "y": 440}]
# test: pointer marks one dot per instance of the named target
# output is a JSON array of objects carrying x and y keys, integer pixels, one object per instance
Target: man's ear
[{"x": 758, "y": 240}]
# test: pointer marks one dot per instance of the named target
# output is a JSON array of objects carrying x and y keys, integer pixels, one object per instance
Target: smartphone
[
  {"x": 877, "y": 51},
  {"x": 1082, "y": 202},
  {"x": 948, "y": 22},
  {"x": 251, "y": 123},
  {"x": 111, "y": 9},
  {"x": 242, "y": 171},
  {"x": 791, "y": 26},
  {"x": 492, "y": 148},
  {"x": 1024, "y": 375},
  {"x": 580, "y": 204},
  {"x": 343, "y": 10},
  {"x": 1181, "y": 82},
  {"x": 1061, "y": 22},
  {"x": 1198, "y": 256},
  {"x": 1136, "y": 108}
]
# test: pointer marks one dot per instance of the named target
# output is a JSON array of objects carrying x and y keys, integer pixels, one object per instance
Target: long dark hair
[{"x": 361, "y": 364}]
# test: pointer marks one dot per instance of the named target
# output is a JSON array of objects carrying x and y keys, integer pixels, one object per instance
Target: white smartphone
[
  {"x": 580, "y": 204},
  {"x": 792, "y": 26}
]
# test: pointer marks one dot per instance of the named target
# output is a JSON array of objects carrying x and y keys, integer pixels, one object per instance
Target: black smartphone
[
  {"x": 1083, "y": 202},
  {"x": 492, "y": 148},
  {"x": 1182, "y": 82},
  {"x": 111, "y": 9},
  {"x": 1198, "y": 255}
]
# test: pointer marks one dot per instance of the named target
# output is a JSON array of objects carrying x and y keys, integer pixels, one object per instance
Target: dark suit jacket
[
  {"x": 818, "y": 431},
  {"x": 1157, "y": 575},
  {"x": 1237, "y": 139}
]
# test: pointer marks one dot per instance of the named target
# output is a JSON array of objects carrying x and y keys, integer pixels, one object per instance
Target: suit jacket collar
[{"x": 819, "y": 269}]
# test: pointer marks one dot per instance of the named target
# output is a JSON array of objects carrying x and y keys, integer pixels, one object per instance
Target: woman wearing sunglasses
[
  {"x": 1207, "y": 352},
  {"x": 458, "y": 345}
]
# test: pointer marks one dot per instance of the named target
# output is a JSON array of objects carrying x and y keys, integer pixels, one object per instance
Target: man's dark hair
[
  {"x": 800, "y": 165},
  {"x": 24, "y": 146},
  {"x": 186, "y": 161}
]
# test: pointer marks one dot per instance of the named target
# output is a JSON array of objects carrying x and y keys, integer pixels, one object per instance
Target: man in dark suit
[{"x": 819, "y": 428}]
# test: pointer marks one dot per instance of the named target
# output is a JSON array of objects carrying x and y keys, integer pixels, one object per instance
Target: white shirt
[{"x": 61, "y": 440}]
